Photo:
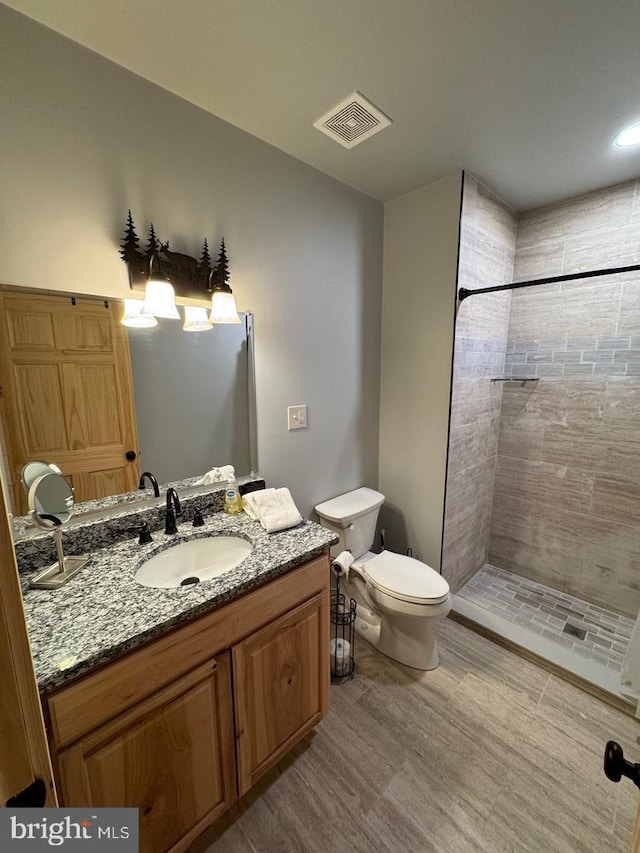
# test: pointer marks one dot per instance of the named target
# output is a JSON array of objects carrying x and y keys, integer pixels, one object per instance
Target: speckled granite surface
[
  {"x": 103, "y": 612},
  {"x": 90, "y": 512},
  {"x": 90, "y": 535}
]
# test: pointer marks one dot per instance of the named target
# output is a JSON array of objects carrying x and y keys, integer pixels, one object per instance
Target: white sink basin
[{"x": 194, "y": 561}]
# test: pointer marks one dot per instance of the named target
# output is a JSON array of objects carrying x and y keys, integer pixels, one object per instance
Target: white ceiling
[{"x": 527, "y": 94}]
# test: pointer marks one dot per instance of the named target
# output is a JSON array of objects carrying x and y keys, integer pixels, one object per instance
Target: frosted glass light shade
[
  {"x": 160, "y": 300},
  {"x": 223, "y": 307},
  {"x": 196, "y": 319},
  {"x": 133, "y": 317}
]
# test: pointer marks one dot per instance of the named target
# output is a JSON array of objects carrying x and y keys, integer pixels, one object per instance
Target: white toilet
[{"x": 400, "y": 600}]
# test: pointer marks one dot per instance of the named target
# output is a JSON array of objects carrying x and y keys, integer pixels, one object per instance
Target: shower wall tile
[
  {"x": 471, "y": 444},
  {"x": 487, "y": 248},
  {"x": 604, "y": 450},
  {"x": 591, "y": 213},
  {"x": 607, "y": 248},
  {"x": 619, "y": 342},
  {"x": 528, "y": 261},
  {"x": 552, "y": 484},
  {"x": 629, "y": 309},
  {"x": 590, "y": 311},
  {"x": 611, "y": 579},
  {"x": 617, "y": 499},
  {"x": 518, "y": 441},
  {"x": 469, "y": 500},
  {"x": 475, "y": 400},
  {"x": 559, "y": 401},
  {"x": 635, "y": 208},
  {"x": 484, "y": 317},
  {"x": 566, "y": 509}
]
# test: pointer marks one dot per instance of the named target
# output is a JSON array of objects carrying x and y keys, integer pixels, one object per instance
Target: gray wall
[
  {"x": 84, "y": 140},
  {"x": 567, "y": 502},
  {"x": 420, "y": 266},
  {"x": 487, "y": 246}
]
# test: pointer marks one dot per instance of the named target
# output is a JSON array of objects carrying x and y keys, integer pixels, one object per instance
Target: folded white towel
[
  {"x": 217, "y": 475},
  {"x": 273, "y": 508}
]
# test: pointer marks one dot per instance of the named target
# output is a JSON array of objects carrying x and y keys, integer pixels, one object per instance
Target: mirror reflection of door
[{"x": 66, "y": 393}]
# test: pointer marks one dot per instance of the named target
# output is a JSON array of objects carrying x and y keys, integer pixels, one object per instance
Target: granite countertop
[{"x": 103, "y": 612}]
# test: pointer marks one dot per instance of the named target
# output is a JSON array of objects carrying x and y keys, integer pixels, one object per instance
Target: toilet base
[{"x": 408, "y": 640}]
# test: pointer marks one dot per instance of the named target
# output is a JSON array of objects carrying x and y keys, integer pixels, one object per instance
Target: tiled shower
[{"x": 543, "y": 486}]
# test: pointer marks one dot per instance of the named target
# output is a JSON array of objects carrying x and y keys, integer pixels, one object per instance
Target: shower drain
[{"x": 579, "y": 633}]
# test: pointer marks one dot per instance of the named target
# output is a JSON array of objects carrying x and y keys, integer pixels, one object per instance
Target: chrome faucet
[
  {"x": 147, "y": 475},
  {"x": 173, "y": 503}
]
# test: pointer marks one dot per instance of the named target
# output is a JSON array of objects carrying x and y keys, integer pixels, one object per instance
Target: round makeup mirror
[
  {"x": 50, "y": 500},
  {"x": 35, "y": 469}
]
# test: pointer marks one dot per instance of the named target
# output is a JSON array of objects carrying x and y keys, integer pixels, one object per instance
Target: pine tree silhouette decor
[
  {"x": 153, "y": 244},
  {"x": 129, "y": 247},
  {"x": 221, "y": 273},
  {"x": 191, "y": 278},
  {"x": 205, "y": 259}
]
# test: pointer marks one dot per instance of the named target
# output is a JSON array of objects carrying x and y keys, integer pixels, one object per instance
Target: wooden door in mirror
[{"x": 67, "y": 394}]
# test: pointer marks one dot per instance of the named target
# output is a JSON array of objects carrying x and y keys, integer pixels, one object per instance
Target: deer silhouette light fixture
[{"x": 162, "y": 274}]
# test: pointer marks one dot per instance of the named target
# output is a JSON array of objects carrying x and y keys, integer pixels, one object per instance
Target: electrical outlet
[{"x": 296, "y": 417}]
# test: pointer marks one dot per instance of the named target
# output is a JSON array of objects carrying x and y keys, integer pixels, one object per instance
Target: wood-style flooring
[{"x": 487, "y": 753}]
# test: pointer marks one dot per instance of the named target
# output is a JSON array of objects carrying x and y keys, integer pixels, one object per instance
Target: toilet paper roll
[
  {"x": 340, "y": 651},
  {"x": 341, "y": 564}
]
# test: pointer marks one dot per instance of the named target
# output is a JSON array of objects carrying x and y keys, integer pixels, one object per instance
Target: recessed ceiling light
[{"x": 629, "y": 136}]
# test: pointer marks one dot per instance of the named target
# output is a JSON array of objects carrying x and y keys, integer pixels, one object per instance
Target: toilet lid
[{"x": 406, "y": 578}]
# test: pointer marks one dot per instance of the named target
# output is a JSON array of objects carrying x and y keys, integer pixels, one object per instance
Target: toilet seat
[{"x": 405, "y": 579}]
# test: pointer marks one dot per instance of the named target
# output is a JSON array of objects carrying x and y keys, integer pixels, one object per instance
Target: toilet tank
[{"x": 353, "y": 517}]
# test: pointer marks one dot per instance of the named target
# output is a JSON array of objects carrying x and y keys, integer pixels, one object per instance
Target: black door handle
[
  {"x": 616, "y": 766},
  {"x": 130, "y": 455}
]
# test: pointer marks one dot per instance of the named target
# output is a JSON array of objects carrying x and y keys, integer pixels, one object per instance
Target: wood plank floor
[{"x": 487, "y": 753}]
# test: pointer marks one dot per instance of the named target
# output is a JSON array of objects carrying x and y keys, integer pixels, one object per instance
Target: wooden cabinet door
[
  {"x": 281, "y": 686},
  {"x": 67, "y": 393},
  {"x": 171, "y": 756}
]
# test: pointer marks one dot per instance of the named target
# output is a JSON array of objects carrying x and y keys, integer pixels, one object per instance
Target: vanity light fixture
[
  {"x": 196, "y": 319},
  {"x": 133, "y": 317},
  {"x": 629, "y": 136},
  {"x": 159, "y": 296},
  {"x": 223, "y": 302}
]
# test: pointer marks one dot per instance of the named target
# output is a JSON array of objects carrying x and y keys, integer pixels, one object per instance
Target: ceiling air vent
[{"x": 352, "y": 121}]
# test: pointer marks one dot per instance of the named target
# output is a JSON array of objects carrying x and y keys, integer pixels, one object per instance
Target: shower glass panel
[{"x": 542, "y": 522}]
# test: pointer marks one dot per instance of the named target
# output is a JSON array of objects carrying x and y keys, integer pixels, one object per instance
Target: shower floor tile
[{"x": 593, "y": 632}]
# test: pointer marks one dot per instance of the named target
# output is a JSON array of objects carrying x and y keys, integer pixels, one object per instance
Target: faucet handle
[
  {"x": 145, "y": 534},
  {"x": 198, "y": 520}
]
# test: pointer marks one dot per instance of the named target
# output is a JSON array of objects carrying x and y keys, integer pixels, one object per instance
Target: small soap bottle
[{"x": 232, "y": 499}]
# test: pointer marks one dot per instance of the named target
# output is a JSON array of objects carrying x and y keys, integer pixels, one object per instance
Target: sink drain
[{"x": 189, "y": 581}]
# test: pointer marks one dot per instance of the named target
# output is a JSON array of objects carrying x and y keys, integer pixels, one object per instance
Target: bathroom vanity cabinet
[{"x": 183, "y": 725}]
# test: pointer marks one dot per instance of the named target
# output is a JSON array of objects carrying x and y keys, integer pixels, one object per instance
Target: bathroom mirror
[{"x": 104, "y": 403}]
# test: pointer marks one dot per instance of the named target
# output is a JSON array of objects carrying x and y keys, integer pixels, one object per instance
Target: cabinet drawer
[{"x": 98, "y": 697}]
